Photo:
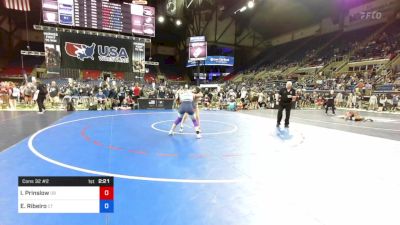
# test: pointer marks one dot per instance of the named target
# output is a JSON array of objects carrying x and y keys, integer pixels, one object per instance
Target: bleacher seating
[
  {"x": 308, "y": 52},
  {"x": 15, "y": 71},
  {"x": 91, "y": 74},
  {"x": 229, "y": 77},
  {"x": 270, "y": 55},
  {"x": 149, "y": 78},
  {"x": 175, "y": 78}
]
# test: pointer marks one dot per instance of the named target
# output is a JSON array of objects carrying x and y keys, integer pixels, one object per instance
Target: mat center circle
[{"x": 209, "y": 127}]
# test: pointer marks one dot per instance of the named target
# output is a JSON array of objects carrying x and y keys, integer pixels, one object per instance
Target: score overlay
[{"x": 65, "y": 194}]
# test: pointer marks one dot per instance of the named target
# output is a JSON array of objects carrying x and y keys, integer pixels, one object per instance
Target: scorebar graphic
[{"x": 65, "y": 194}]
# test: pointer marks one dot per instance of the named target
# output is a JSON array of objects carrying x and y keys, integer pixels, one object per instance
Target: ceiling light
[{"x": 250, "y": 4}]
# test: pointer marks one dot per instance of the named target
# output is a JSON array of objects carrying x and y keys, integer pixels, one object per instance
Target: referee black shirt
[{"x": 286, "y": 96}]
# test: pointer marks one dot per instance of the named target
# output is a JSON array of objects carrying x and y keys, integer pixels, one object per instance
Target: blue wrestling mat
[{"x": 241, "y": 172}]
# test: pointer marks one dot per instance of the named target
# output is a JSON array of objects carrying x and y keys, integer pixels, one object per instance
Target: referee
[{"x": 286, "y": 95}]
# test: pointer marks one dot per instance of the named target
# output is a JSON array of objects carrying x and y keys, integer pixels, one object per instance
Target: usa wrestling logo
[
  {"x": 80, "y": 51},
  {"x": 105, "y": 53}
]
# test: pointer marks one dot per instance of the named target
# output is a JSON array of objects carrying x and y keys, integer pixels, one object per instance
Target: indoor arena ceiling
[
  {"x": 269, "y": 18},
  {"x": 274, "y": 17}
]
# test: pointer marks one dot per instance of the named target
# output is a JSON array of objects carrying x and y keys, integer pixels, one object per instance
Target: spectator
[
  {"x": 14, "y": 94},
  {"x": 383, "y": 102},
  {"x": 373, "y": 103},
  {"x": 136, "y": 92},
  {"x": 29, "y": 90},
  {"x": 395, "y": 102},
  {"x": 53, "y": 93},
  {"x": 354, "y": 100},
  {"x": 261, "y": 100},
  {"x": 339, "y": 99}
]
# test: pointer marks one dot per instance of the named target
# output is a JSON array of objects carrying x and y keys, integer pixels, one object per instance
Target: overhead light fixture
[
  {"x": 243, "y": 9},
  {"x": 161, "y": 19},
  {"x": 178, "y": 22},
  {"x": 250, "y": 4}
]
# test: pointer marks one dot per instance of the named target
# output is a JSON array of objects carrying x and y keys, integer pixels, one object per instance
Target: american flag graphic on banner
[{"x": 21, "y": 5}]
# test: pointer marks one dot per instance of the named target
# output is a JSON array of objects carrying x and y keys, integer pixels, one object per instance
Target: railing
[{"x": 389, "y": 64}]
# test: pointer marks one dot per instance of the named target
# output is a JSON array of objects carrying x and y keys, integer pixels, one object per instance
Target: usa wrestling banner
[{"x": 82, "y": 51}]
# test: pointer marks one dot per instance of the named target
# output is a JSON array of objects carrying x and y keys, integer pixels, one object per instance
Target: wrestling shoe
[
  {"x": 286, "y": 126},
  {"x": 171, "y": 132},
  {"x": 278, "y": 125},
  {"x": 181, "y": 130},
  {"x": 198, "y": 136}
]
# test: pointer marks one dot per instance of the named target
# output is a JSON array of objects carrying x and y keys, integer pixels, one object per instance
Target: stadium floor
[{"x": 323, "y": 171}]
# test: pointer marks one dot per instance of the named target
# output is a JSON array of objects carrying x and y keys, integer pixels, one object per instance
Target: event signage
[
  {"x": 138, "y": 57},
  {"x": 197, "y": 39},
  {"x": 81, "y": 51},
  {"x": 214, "y": 61},
  {"x": 197, "y": 51},
  {"x": 52, "y": 51}
]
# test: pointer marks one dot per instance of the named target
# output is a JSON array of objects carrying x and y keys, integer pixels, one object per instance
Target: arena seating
[
  {"x": 270, "y": 55},
  {"x": 175, "y": 78},
  {"x": 91, "y": 74},
  {"x": 149, "y": 78},
  {"x": 308, "y": 52},
  {"x": 15, "y": 71}
]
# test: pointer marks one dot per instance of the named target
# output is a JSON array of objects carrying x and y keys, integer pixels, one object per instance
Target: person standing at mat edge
[
  {"x": 42, "y": 92},
  {"x": 136, "y": 92},
  {"x": 286, "y": 96},
  {"x": 330, "y": 102}
]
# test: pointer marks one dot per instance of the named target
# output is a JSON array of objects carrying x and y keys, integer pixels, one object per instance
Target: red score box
[{"x": 106, "y": 193}]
